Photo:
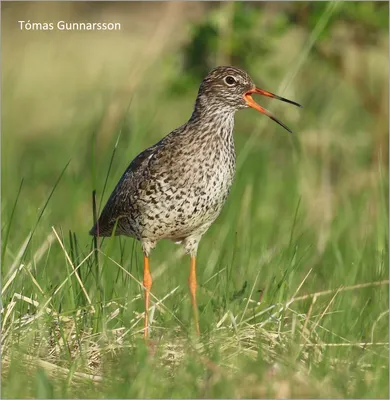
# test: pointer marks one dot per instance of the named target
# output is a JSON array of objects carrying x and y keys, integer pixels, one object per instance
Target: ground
[{"x": 293, "y": 276}]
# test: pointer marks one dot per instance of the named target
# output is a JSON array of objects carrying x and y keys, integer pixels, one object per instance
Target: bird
[{"x": 176, "y": 188}]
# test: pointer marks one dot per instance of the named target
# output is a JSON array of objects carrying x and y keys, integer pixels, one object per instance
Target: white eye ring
[{"x": 230, "y": 80}]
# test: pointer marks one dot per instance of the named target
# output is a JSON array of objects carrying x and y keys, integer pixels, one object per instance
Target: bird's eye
[{"x": 229, "y": 80}]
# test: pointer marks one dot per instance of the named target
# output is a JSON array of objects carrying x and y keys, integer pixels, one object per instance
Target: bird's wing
[{"x": 120, "y": 202}]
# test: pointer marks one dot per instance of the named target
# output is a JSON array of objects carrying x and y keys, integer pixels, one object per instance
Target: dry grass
[
  {"x": 294, "y": 280},
  {"x": 276, "y": 328}
]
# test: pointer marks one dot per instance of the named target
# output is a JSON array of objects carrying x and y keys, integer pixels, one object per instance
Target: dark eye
[{"x": 230, "y": 80}]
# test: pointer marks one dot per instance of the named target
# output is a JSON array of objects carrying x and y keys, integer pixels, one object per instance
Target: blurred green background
[{"x": 293, "y": 275}]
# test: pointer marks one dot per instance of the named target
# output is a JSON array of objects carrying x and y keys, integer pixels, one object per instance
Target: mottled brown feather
[{"x": 176, "y": 188}]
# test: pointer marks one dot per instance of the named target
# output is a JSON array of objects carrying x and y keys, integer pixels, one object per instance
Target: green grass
[{"x": 293, "y": 276}]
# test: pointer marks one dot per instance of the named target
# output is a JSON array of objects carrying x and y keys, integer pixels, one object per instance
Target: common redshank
[{"x": 176, "y": 188}]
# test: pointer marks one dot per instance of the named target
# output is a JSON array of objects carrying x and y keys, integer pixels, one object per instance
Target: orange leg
[
  {"x": 192, "y": 284},
  {"x": 148, "y": 285}
]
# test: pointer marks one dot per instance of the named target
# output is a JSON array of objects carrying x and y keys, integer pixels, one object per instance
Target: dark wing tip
[{"x": 101, "y": 230}]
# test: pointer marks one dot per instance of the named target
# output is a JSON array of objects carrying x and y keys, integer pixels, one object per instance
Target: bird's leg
[
  {"x": 192, "y": 284},
  {"x": 148, "y": 285}
]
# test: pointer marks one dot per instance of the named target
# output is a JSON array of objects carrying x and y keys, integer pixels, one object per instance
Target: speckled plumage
[{"x": 176, "y": 188}]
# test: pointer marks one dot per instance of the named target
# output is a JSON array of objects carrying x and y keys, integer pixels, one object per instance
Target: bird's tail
[{"x": 97, "y": 230}]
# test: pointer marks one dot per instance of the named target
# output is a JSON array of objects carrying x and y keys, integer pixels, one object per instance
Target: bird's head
[{"x": 228, "y": 89}]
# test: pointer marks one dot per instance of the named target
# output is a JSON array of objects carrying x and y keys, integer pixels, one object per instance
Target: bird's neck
[
  {"x": 207, "y": 107},
  {"x": 213, "y": 122}
]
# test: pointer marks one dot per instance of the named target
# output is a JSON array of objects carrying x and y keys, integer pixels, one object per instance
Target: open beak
[{"x": 251, "y": 103}]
